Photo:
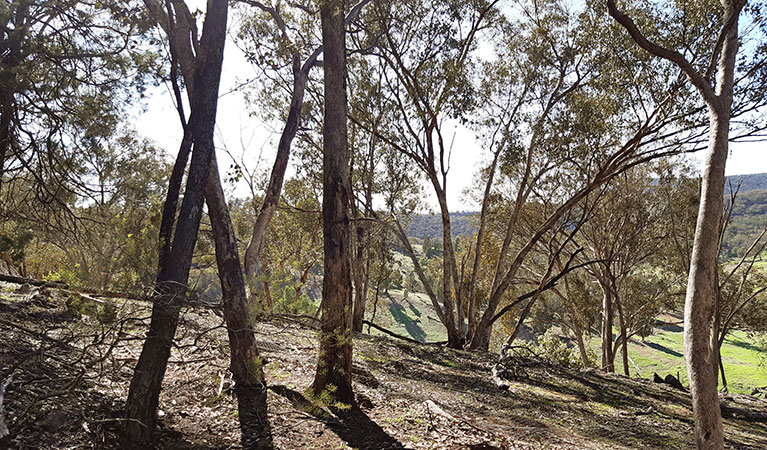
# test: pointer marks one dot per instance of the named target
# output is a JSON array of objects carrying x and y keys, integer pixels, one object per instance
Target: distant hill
[
  {"x": 423, "y": 225},
  {"x": 750, "y": 182},
  {"x": 749, "y": 217}
]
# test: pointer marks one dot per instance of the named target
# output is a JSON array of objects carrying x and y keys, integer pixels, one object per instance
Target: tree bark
[
  {"x": 624, "y": 338},
  {"x": 144, "y": 393},
  {"x": 702, "y": 289},
  {"x": 246, "y": 364},
  {"x": 334, "y": 366},
  {"x": 607, "y": 330},
  {"x": 277, "y": 178}
]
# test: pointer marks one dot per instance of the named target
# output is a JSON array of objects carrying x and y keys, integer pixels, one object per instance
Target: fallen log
[
  {"x": 736, "y": 413},
  {"x": 399, "y": 336}
]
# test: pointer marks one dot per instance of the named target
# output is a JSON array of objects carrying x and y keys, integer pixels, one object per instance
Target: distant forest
[
  {"x": 752, "y": 182},
  {"x": 430, "y": 225},
  {"x": 749, "y": 217}
]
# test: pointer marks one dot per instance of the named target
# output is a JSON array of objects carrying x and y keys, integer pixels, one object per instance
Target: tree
[
  {"x": 68, "y": 70},
  {"x": 202, "y": 73},
  {"x": 290, "y": 47},
  {"x": 334, "y": 366},
  {"x": 702, "y": 286},
  {"x": 551, "y": 112},
  {"x": 626, "y": 228}
]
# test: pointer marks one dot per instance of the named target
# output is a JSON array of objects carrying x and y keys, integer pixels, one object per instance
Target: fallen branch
[
  {"x": 32, "y": 281},
  {"x": 3, "y": 426},
  {"x": 399, "y": 336},
  {"x": 89, "y": 293},
  {"x": 733, "y": 412}
]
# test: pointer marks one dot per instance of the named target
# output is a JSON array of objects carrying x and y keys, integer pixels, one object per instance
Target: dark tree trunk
[
  {"x": 144, "y": 393},
  {"x": 246, "y": 364},
  {"x": 624, "y": 338},
  {"x": 607, "y": 331},
  {"x": 334, "y": 366},
  {"x": 6, "y": 115}
]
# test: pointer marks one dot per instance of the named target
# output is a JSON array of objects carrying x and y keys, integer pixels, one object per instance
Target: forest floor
[{"x": 70, "y": 361}]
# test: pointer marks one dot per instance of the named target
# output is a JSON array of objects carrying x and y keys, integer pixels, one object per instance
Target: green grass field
[{"x": 663, "y": 352}]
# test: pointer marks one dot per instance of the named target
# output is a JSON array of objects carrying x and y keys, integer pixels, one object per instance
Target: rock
[
  {"x": 25, "y": 288},
  {"x": 674, "y": 382},
  {"x": 57, "y": 420}
]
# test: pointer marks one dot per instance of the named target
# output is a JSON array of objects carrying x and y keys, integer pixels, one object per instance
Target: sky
[{"x": 254, "y": 142}]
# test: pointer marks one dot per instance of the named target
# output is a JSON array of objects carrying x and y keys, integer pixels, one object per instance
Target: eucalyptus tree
[
  {"x": 69, "y": 70},
  {"x": 626, "y": 229},
  {"x": 277, "y": 49},
  {"x": 200, "y": 61},
  {"x": 738, "y": 86},
  {"x": 551, "y": 111},
  {"x": 334, "y": 365}
]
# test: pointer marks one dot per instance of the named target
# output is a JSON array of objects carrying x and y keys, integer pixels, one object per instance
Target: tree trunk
[
  {"x": 581, "y": 345},
  {"x": 144, "y": 393},
  {"x": 274, "y": 190},
  {"x": 334, "y": 367},
  {"x": 246, "y": 364},
  {"x": 624, "y": 338},
  {"x": 701, "y": 286},
  {"x": 607, "y": 330},
  {"x": 6, "y": 115},
  {"x": 701, "y": 290}
]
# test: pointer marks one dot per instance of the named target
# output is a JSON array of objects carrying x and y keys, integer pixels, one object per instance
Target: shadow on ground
[{"x": 352, "y": 425}]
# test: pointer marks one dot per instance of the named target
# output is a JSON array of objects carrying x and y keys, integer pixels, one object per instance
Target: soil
[{"x": 71, "y": 359}]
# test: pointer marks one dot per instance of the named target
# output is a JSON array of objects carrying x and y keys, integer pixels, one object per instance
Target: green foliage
[
  {"x": 552, "y": 348},
  {"x": 66, "y": 276},
  {"x": 14, "y": 242},
  {"x": 288, "y": 301}
]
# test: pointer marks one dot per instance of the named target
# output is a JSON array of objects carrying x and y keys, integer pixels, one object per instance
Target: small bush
[{"x": 551, "y": 348}]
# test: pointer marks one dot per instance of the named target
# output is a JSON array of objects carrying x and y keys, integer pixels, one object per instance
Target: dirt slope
[{"x": 71, "y": 362}]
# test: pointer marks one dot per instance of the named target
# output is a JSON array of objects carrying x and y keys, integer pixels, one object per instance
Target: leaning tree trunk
[
  {"x": 334, "y": 366},
  {"x": 246, "y": 364},
  {"x": 277, "y": 178},
  {"x": 144, "y": 393}
]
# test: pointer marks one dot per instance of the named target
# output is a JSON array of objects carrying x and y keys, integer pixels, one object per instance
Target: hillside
[
  {"x": 430, "y": 225},
  {"x": 70, "y": 373},
  {"x": 749, "y": 218},
  {"x": 749, "y": 182},
  {"x": 750, "y": 214}
]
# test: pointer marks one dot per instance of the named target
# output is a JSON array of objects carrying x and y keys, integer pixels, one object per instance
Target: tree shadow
[
  {"x": 411, "y": 326},
  {"x": 663, "y": 349},
  {"x": 352, "y": 425},
  {"x": 743, "y": 344}
]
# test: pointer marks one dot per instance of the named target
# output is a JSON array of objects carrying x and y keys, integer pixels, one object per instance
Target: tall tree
[
  {"x": 300, "y": 66},
  {"x": 246, "y": 365},
  {"x": 702, "y": 282},
  {"x": 550, "y": 113},
  {"x": 334, "y": 366},
  {"x": 175, "y": 262},
  {"x": 719, "y": 57}
]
